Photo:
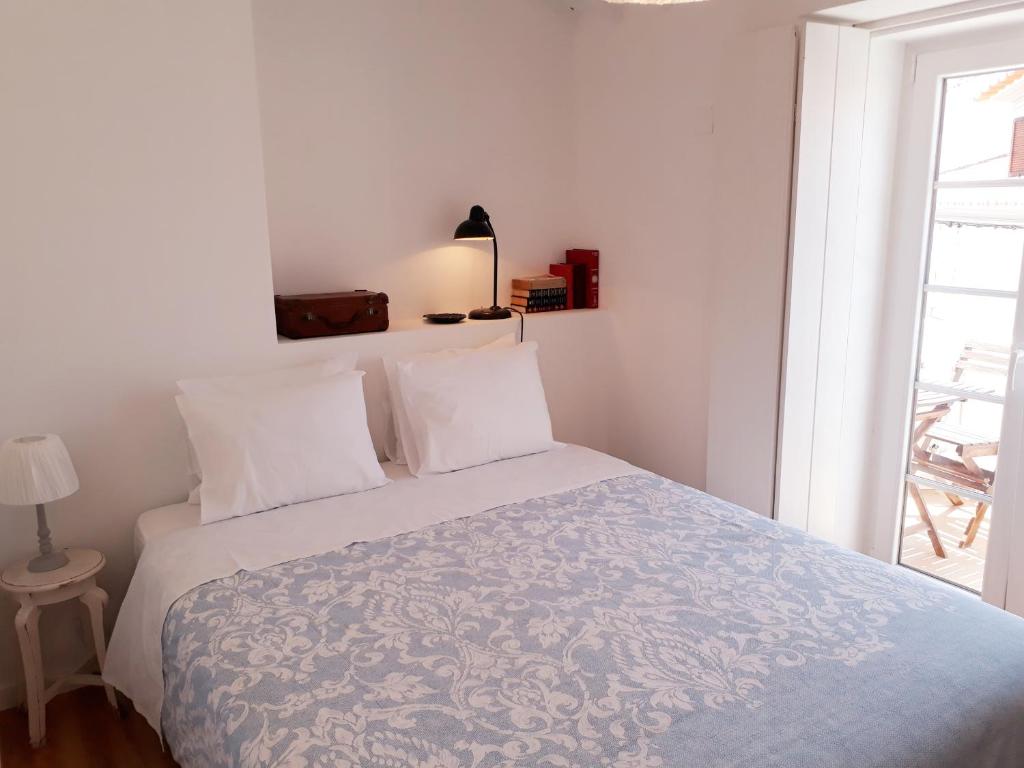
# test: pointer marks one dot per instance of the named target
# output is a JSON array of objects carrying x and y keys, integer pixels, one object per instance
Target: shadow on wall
[{"x": 384, "y": 121}]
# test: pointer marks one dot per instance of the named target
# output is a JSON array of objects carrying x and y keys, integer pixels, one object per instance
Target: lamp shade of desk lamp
[
  {"x": 478, "y": 227},
  {"x": 35, "y": 471}
]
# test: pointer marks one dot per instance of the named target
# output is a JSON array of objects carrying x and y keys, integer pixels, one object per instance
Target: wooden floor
[
  {"x": 82, "y": 730},
  {"x": 965, "y": 567}
]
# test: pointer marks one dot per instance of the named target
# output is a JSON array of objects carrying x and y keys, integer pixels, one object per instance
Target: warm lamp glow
[{"x": 478, "y": 228}]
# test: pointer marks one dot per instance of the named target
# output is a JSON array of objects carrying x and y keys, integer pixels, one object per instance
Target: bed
[{"x": 565, "y": 609}]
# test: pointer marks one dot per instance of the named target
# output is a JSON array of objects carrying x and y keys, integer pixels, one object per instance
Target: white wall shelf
[{"x": 423, "y": 327}]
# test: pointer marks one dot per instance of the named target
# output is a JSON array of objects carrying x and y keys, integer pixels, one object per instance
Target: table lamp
[
  {"x": 478, "y": 227},
  {"x": 37, "y": 470}
]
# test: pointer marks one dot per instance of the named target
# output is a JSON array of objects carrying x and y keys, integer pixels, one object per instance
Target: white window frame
[{"x": 916, "y": 186}]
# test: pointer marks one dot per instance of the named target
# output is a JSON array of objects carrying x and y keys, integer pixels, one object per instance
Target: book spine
[
  {"x": 591, "y": 260},
  {"x": 541, "y": 299},
  {"x": 566, "y": 271}
]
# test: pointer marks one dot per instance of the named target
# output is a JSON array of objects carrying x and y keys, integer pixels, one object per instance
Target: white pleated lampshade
[{"x": 35, "y": 470}]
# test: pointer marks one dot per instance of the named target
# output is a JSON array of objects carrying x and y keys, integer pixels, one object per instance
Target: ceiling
[{"x": 873, "y": 10}]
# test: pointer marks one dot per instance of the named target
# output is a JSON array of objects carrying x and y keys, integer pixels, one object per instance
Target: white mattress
[{"x": 179, "y": 555}]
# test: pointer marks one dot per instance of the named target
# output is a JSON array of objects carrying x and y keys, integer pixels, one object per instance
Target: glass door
[{"x": 966, "y": 334}]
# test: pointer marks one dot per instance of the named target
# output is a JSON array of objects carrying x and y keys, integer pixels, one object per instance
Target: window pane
[
  {"x": 977, "y": 243},
  {"x": 961, "y": 565},
  {"x": 985, "y": 206},
  {"x": 976, "y": 256},
  {"x": 956, "y": 440},
  {"x": 978, "y": 125},
  {"x": 956, "y": 327}
]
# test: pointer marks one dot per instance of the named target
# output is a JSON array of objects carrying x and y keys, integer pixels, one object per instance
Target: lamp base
[
  {"x": 46, "y": 563},
  {"x": 490, "y": 313}
]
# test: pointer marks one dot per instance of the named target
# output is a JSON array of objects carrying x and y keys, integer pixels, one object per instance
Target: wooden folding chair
[{"x": 930, "y": 430}]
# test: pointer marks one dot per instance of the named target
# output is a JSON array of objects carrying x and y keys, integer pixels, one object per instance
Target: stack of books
[{"x": 543, "y": 293}]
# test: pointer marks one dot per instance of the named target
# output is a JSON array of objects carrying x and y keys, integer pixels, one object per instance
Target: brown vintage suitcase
[{"x": 331, "y": 314}]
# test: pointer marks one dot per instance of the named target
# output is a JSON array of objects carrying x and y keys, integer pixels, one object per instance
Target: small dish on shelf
[{"x": 445, "y": 318}]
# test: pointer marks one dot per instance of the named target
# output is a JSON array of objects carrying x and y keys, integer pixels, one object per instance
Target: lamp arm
[{"x": 495, "y": 241}]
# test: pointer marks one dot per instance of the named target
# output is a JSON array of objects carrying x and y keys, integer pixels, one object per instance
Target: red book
[
  {"x": 590, "y": 260},
  {"x": 572, "y": 286}
]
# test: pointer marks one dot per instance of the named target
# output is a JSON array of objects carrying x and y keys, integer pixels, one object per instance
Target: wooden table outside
[{"x": 962, "y": 472}]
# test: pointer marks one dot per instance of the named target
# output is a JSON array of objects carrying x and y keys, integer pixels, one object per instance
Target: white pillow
[
  {"x": 266, "y": 449},
  {"x": 282, "y": 377},
  {"x": 400, "y": 445},
  {"x": 468, "y": 410},
  {"x": 237, "y": 385}
]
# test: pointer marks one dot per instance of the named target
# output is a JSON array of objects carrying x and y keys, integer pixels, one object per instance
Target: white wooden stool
[{"x": 77, "y": 579}]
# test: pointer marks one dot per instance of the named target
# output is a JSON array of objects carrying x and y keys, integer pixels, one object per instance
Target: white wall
[
  {"x": 753, "y": 174},
  {"x": 134, "y": 251},
  {"x": 134, "y": 245},
  {"x": 754, "y": 141},
  {"x": 685, "y": 133},
  {"x": 758, "y": 14},
  {"x": 385, "y": 121},
  {"x": 635, "y": 119},
  {"x": 645, "y": 173}
]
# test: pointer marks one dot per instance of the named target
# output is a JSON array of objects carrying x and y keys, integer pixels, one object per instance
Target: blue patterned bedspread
[{"x": 633, "y": 623}]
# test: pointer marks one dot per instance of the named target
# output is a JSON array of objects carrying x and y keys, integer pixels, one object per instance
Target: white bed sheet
[
  {"x": 176, "y": 560},
  {"x": 158, "y": 522},
  {"x": 155, "y": 523}
]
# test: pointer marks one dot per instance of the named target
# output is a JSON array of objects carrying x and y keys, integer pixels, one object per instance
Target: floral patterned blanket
[{"x": 634, "y": 623}]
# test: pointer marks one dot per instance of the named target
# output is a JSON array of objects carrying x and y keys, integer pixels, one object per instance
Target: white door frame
[{"x": 908, "y": 256}]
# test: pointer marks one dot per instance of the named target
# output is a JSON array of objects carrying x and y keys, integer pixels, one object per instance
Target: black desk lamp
[{"x": 478, "y": 227}]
